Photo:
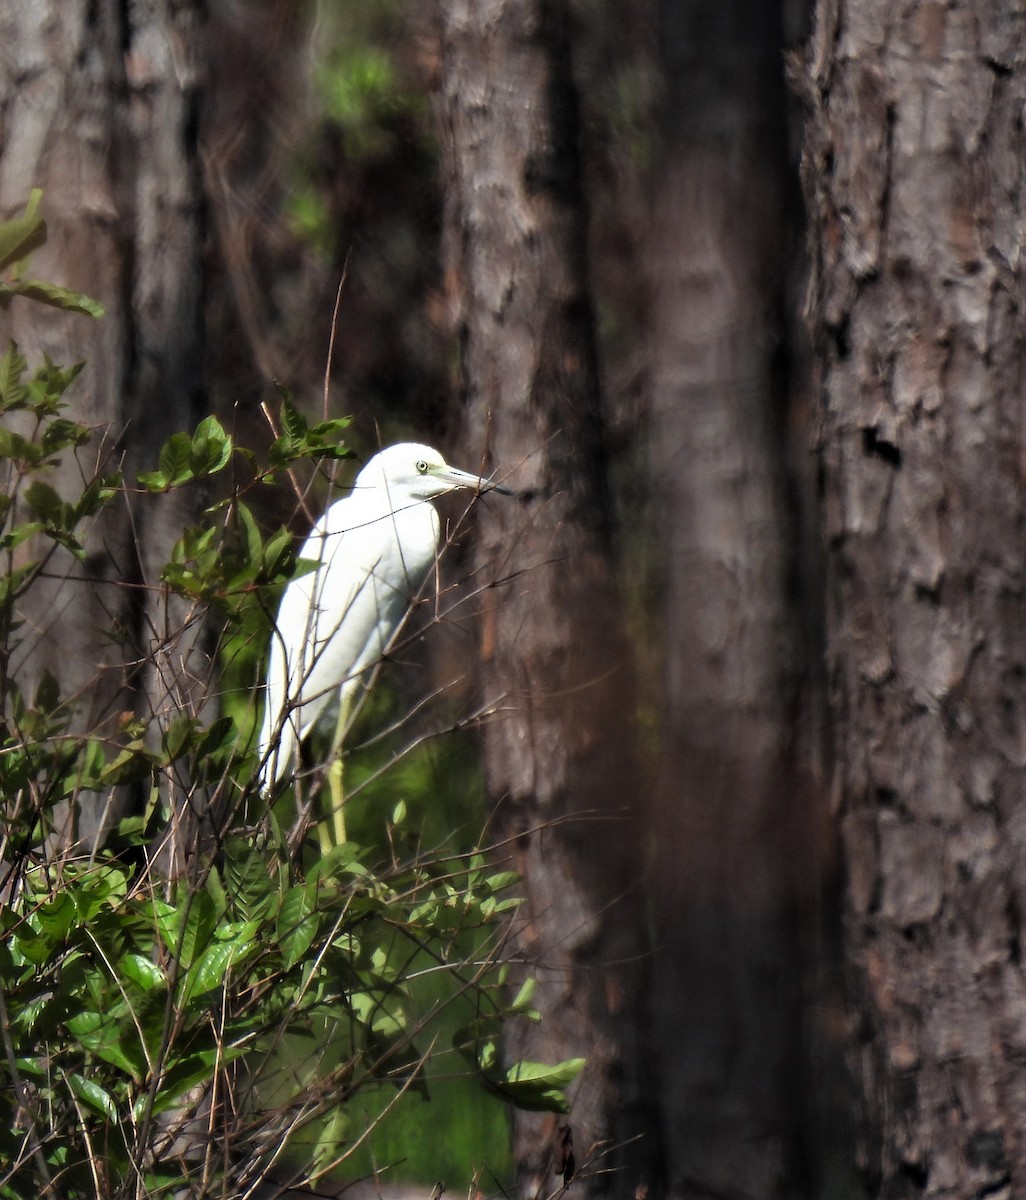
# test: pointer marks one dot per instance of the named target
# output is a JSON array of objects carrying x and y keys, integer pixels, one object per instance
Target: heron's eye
[{"x": 422, "y": 467}]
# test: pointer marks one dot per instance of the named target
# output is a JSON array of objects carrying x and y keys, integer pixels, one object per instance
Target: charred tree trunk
[
  {"x": 98, "y": 108},
  {"x": 734, "y": 819},
  {"x": 557, "y": 751},
  {"x": 916, "y": 185}
]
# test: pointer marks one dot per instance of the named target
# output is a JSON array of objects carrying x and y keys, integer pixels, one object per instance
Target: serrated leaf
[
  {"x": 175, "y": 456},
  {"x": 251, "y": 889},
  {"x": 45, "y": 502},
  {"x": 12, "y": 368},
  {"x": 14, "y": 445},
  {"x": 199, "y": 920},
  {"x": 61, "y": 433},
  {"x": 502, "y": 879},
  {"x": 21, "y": 235},
  {"x": 292, "y": 421},
  {"x": 56, "y": 297}
]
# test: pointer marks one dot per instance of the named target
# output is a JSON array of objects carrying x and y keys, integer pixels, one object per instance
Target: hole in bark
[
  {"x": 874, "y": 444},
  {"x": 986, "y": 1148},
  {"x": 917, "y": 1173},
  {"x": 1001, "y": 69},
  {"x": 929, "y": 593},
  {"x": 1014, "y": 933},
  {"x": 841, "y": 334}
]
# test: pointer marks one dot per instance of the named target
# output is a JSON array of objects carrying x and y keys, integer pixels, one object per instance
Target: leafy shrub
[{"x": 192, "y": 1030}]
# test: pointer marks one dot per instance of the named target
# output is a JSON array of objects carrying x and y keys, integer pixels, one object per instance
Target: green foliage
[
  {"x": 151, "y": 1023},
  {"x": 371, "y": 114},
  {"x": 18, "y": 238}
]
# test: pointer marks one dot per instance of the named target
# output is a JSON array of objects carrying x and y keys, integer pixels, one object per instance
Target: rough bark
[
  {"x": 734, "y": 820},
  {"x": 916, "y": 177},
  {"x": 556, "y": 752},
  {"x": 97, "y": 107}
]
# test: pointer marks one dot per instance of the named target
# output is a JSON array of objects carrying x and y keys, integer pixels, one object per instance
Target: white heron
[{"x": 374, "y": 550}]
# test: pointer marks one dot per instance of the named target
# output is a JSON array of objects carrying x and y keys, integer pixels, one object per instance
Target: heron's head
[{"x": 420, "y": 473}]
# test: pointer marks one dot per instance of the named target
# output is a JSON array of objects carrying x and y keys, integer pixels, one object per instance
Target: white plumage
[{"x": 375, "y": 549}]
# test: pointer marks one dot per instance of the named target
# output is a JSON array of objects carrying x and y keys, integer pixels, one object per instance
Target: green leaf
[
  {"x": 55, "y": 296},
  {"x": 142, "y": 971},
  {"x": 297, "y": 923},
  {"x": 153, "y": 481},
  {"x": 133, "y": 764},
  {"x": 252, "y": 890},
  {"x": 45, "y": 502},
  {"x": 254, "y": 542},
  {"x": 175, "y": 458},
  {"x": 502, "y": 879},
  {"x": 522, "y": 1002},
  {"x": 211, "y": 447},
  {"x": 21, "y": 235},
  {"x": 292, "y": 420},
  {"x": 57, "y": 916},
  {"x": 179, "y": 737},
  {"x": 94, "y": 1096},
  {"x": 538, "y": 1087},
  {"x": 99, "y": 1034},
  {"x": 48, "y": 385},
  {"x": 371, "y": 1010},
  {"x": 209, "y": 972},
  {"x": 61, "y": 433},
  {"x": 14, "y": 445},
  {"x": 183, "y": 1075},
  {"x": 332, "y": 1139},
  {"x": 97, "y": 492},
  {"x": 187, "y": 929},
  {"x": 12, "y": 367}
]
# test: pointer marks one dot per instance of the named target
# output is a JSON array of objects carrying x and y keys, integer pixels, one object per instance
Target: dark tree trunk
[
  {"x": 97, "y": 107},
  {"x": 915, "y": 186},
  {"x": 557, "y": 753},
  {"x": 734, "y": 820}
]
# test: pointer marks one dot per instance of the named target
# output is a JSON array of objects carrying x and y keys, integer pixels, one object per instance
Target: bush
[{"x": 194, "y": 1021}]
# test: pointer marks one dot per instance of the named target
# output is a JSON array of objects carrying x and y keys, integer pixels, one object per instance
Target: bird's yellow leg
[
  {"x": 324, "y": 837},
  {"x": 338, "y": 799},
  {"x": 335, "y": 784}
]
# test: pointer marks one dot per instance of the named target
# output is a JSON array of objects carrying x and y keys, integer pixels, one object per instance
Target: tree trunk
[
  {"x": 916, "y": 192},
  {"x": 734, "y": 820},
  {"x": 97, "y": 104},
  {"x": 557, "y": 752}
]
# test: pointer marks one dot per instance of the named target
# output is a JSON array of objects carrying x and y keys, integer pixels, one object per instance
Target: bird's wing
[
  {"x": 336, "y": 622},
  {"x": 359, "y": 597}
]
